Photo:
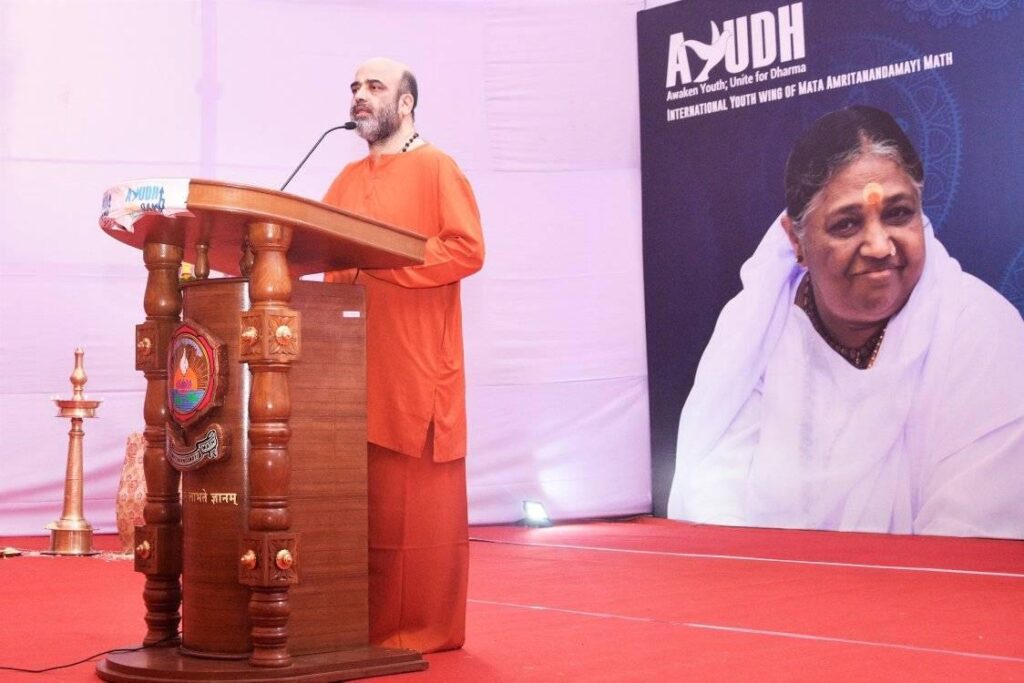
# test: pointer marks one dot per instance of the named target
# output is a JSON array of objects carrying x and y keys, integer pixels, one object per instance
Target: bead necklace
[
  {"x": 860, "y": 358},
  {"x": 405, "y": 147}
]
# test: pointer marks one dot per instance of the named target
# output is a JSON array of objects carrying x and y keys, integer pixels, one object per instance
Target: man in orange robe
[{"x": 416, "y": 397}]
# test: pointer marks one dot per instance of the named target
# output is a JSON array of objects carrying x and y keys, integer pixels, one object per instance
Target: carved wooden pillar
[
  {"x": 158, "y": 543},
  {"x": 269, "y": 343},
  {"x": 203, "y": 250},
  {"x": 202, "y": 260}
]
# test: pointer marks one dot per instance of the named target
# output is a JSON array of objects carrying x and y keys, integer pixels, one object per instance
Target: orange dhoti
[{"x": 419, "y": 550}]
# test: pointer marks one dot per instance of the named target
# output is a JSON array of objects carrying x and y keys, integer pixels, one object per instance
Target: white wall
[{"x": 536, "y": 100}]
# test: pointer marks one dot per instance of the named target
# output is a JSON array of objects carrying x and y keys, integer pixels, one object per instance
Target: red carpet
[{"x": 647, "y": 600}]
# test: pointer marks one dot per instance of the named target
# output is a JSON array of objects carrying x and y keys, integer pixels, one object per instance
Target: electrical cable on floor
[{"x": 91, "y": 657}]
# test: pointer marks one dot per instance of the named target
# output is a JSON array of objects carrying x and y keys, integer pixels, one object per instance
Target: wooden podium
[{"x": 255, "y": 539}]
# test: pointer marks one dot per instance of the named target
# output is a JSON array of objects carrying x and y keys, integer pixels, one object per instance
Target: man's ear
[
  {"x": 789, "y": 227},
  {"x": 405, "y": 103}
]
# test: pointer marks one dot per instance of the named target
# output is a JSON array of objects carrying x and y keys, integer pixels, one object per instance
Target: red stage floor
[{"x": 647, "y": 600}]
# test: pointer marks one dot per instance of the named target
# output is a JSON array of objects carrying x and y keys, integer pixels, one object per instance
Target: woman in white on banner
[{"x": 860, "y": 380}]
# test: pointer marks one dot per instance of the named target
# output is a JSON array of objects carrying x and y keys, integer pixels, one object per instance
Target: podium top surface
[{"x": 189, "y": 211}]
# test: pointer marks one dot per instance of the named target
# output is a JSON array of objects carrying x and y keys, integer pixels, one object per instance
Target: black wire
[
  {"x": 91, "y": 657},
  {"x": 177, "y": 635}
]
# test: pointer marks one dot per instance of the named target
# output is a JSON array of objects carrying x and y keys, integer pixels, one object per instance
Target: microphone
[{"x": 347, "y": 126}]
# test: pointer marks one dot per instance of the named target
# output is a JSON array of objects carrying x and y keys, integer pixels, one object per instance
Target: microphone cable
[{"x": 158, "y": 643}]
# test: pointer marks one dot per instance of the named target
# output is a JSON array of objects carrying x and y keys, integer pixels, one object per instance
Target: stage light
[{"x": 534, "y": 514}]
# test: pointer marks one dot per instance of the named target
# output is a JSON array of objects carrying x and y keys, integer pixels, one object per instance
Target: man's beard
[{"x": 379, "y": 126}]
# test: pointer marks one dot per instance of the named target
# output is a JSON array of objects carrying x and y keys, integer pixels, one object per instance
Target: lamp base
[{"x": 70, "y": 541}]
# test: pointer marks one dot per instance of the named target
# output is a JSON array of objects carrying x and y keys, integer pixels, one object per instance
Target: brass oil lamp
[{"x": 72, "y": 534}]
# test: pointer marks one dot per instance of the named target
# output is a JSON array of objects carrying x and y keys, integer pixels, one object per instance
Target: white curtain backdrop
[{"x": 535, "y": 100}]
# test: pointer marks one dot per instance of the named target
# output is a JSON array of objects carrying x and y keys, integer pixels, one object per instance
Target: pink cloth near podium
[{"x": 416, "y": 396}]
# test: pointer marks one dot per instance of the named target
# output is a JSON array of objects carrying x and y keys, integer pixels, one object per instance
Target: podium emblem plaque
[{"x": 196, "y": 373}]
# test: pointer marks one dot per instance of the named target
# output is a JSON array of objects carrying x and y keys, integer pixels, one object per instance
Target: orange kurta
[
  {"x": 414, "y": 357},
  {"x": 416, "y": 404}
]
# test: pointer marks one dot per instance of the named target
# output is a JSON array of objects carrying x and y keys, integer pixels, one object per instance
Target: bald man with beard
[{"x": 416, "y": 403}]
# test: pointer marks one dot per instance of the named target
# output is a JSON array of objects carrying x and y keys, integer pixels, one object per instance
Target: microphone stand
[{"x": 347, "y": 126}]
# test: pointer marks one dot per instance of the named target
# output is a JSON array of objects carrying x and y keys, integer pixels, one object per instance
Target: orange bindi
[{"x": 873, "y": 194}]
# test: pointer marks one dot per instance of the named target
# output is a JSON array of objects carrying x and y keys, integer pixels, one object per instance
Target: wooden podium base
[{"x": 168, "y": 665}]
